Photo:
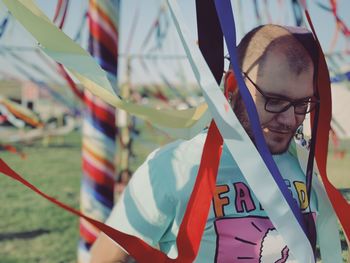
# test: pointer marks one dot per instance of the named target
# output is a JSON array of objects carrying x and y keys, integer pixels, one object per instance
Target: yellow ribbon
[{"x": 21, "y": 112}]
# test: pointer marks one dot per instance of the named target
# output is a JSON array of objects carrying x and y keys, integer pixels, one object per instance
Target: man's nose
[{"x": 288, "y": 117}]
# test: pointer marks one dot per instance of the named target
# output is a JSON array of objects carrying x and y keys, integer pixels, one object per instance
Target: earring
[
  {"x": 230, "y": 97},
  {"x": 300, "y": 138}
]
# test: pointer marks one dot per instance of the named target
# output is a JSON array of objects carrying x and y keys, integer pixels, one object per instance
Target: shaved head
[
  {"x": 263, "y": 40},
  {"x": 280, "y": 62}
]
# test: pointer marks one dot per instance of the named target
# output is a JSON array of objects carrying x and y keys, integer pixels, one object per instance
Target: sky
[{"x": 174, "y": 69}]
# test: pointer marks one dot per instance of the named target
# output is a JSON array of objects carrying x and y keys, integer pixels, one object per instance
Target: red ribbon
[
  {"x": 135, "y": 246},
  {"x": 62, "y": 7},
  {"x": 192, "y": 226},
  {"x": 340, "y": 23},
  {"x": 340, "y": 205},
  {"x": 12, "y": 149},
  {"x": 71, "y": 83}
]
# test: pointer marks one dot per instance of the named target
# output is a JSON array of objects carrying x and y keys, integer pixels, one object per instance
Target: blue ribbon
[
  {"x": 341, "y": 77},
  {"x": 3, "y": 25},
  {"x": 224, "y": 10}
]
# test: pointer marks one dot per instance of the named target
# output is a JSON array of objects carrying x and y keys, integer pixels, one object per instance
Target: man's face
[{"x": 277, "y": 80}]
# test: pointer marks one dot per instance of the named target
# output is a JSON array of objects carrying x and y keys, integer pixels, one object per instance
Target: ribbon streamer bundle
[{"x": 60, "y": 13}]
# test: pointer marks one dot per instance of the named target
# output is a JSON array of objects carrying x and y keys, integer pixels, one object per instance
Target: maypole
[{"x": 99, "y": 127}]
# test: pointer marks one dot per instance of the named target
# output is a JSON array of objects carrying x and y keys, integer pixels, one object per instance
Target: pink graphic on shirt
[
  {"x": 285, "y": 253},
  {"x": 251, "y": 239},
  {"x": 239, "y": 239}
]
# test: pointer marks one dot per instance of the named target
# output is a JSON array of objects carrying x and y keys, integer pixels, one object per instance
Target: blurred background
[{"x": 82, "y": 151}]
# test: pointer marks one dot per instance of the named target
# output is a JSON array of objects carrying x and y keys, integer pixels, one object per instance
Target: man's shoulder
[
  {"x": 173, "y": 158},
  {"x": 168, "y": 170},
  {"x": 179, "y": 151}
]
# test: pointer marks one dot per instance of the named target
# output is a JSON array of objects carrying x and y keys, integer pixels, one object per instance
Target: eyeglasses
[{"x": 278, "y": 105}]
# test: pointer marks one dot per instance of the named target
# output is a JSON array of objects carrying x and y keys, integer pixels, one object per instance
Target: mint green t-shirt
[{"x": 237, "y": 229}]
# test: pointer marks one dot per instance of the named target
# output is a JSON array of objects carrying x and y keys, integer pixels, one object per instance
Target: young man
[{"x": 279, "y": 73}]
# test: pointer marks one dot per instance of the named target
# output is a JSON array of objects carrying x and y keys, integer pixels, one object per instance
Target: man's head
[{"x": 278, "y": 69}]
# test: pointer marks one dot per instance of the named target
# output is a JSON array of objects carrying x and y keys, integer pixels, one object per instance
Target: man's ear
[{"x": 230, "y": 85}]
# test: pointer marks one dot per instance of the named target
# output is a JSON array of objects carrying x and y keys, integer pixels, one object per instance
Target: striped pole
[{"x": 99, "y": 126}]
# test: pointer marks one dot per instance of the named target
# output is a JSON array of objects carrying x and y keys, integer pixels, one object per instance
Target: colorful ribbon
[
  {"x": 341, "y": 77},
  {"x": 210, "y": 37},
  {"x": 243, "y": 150},
  {"x": 219, "y": 111},
  {"x": 227, "y": 20},
  {"x": 3, "y": 25},
  {"x": 60, "y": 13},
  {"x": 12, "y": 149},
  {"x": 327, "y": 223},
  {"x": 339, "y": 203},
  {"x": 21, "y": 112},
  {"x": 195, "y": 217},
  {"x": 298, "y": 13},
  {"x": 6, "y": 115},
  {"x": 182, "y": 123},
  {"x": 140, "y": 250},
  {"x": 54, "y": 94}
]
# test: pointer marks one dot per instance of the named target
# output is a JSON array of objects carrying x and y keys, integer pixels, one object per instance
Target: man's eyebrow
[
  {"x": 279, "y": 96},
  {"x": 275, "y": 95}
]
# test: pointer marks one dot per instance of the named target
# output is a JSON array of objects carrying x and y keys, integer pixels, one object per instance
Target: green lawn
[
  {"x": 34, "y": 230},
  {"x": 31, "y": 228}
]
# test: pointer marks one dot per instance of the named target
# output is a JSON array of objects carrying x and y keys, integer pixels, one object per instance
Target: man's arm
[
  {"x": 144, "y": 210},
  {"x": 105, "y": 250}
]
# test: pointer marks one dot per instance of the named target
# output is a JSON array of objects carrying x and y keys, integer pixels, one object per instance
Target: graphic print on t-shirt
[
  {"x": 245, "y": 233},
  {"x": 251, "y": 239}
]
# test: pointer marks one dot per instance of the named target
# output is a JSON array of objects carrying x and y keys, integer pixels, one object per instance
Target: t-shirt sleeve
[{"x": 145, "y": 209}]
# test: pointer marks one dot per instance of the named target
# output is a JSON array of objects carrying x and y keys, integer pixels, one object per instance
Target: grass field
[
  {"x": 31, "y": 228},
  {"x": 34, "y": 230}
]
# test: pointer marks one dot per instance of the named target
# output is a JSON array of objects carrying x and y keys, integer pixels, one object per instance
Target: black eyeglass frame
[{"x": 312, "y": 102}]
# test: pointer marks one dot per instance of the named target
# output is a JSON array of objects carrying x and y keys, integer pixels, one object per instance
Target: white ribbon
[
  {"x": 326, "y": 223},
  {"x": 243, "y": 150}
]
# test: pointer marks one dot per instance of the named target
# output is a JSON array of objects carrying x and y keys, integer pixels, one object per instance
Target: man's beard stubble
[{"x": 242, "y": 115}]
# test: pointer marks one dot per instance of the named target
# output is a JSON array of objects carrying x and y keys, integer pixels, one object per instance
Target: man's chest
[{"x": 241, "y": 227}]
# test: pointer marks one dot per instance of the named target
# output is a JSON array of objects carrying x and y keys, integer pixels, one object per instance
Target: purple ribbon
[{"x": 227, "y": 22}]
